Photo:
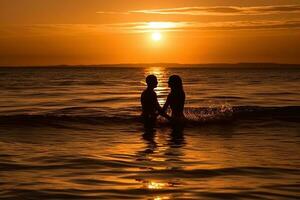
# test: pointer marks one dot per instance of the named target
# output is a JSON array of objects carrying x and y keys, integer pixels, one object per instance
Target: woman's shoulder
[{"x": 178, "y": 93}]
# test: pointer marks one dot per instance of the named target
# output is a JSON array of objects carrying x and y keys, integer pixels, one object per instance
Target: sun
[{"x": 156, "y": 36}]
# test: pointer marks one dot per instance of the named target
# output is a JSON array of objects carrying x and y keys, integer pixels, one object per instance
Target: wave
[
  {"x": 131, "y": 115},
  {"x": 227, "y": 97}
]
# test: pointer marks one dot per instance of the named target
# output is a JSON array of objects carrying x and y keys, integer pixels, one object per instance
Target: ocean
[{"x": 76, "y": 133}]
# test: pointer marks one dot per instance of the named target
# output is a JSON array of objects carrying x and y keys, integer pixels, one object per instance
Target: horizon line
[{"x": 136, "y": 65}]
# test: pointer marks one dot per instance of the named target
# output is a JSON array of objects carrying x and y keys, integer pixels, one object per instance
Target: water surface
[{"x": 75, "y": 133}]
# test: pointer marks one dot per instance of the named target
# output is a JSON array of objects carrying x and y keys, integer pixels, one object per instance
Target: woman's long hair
[{"x": 175, "y": 84}]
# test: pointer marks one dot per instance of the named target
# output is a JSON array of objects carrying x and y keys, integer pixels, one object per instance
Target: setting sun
[{"x": 156, "y": 36}]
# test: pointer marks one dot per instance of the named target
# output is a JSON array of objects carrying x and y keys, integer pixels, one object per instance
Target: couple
[{"x": 151, "y": 108}]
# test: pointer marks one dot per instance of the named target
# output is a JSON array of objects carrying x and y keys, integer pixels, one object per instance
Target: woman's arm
[
  {"x": 161, "y": 111},
  {"x": 167, "y": 103}
]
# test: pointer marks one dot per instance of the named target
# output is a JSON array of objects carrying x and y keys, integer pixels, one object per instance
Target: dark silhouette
[
  {"x": 150, "y": 106},
  {"x": 177, "y": 139},
  {"x": 175, "y": 100},
  {"x": 149, "y": 137}
]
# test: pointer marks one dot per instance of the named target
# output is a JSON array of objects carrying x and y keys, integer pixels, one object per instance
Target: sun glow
[
  {"x": 156, "y": 36},
  {"x": 161, "y": 25}
]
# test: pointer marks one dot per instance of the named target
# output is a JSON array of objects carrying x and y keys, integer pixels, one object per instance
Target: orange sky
[{"x": 51, "y": 32}]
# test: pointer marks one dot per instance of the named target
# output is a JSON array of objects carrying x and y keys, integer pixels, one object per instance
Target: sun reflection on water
[
  {"x": 161, "y": 198},
  {"x": 152, "y": 185}
]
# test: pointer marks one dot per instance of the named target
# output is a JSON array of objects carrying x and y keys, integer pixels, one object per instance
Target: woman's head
[{"x": 175, "y": 82}]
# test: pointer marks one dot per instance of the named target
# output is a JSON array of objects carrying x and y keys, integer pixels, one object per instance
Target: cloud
[
  {"x": 217, "y": 10},
  {"x": 70, "y": 30},
  {"x": 113, "y": 13},
  {"x": 251, "y": 25},
  {"x": 41, "y": 30},
  {"x": 198, "y": 26}
]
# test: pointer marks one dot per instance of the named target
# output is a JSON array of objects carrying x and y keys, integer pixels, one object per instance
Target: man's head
[{"x": 151, "y": 81}]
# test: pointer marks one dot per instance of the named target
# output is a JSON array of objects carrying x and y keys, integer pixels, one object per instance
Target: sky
[{"x": 85, "y": 32}]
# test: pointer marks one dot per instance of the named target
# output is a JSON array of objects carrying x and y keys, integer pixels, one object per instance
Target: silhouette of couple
[{"x": 151, "y": 108}]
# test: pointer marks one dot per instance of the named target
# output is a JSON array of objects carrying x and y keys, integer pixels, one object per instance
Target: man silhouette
[{"x": 150, "y": 106}]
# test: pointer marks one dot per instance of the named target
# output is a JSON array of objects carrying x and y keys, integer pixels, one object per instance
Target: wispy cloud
[
  {"x": 224, "y": 10},
  {"x": 113, "y": 13},
  {"x": 141, "y": 27},
  {"x": 249, "y": 25},
  {"x": 37, "y": 30},
  {"x": 198, "y": 26},
  {"x": 217, "y": 10}
]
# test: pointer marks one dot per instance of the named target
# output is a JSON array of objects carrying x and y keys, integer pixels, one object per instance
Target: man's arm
[{"x": 161, "y": 111}]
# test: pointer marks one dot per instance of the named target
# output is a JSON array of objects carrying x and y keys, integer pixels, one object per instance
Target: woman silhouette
[{"x": 175, "y": 99}]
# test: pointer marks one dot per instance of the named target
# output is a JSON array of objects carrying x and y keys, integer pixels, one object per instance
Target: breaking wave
[{"x": 131, "y": 115}]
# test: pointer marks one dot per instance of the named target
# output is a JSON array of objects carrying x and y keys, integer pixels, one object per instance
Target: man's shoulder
[{"x": 149, "y": 93}]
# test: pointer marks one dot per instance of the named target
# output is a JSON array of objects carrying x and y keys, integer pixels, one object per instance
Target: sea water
[{"x": 75, "y": 132}]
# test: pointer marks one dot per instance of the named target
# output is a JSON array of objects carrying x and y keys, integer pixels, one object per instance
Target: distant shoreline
[{"x": 170, "y": 65}]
